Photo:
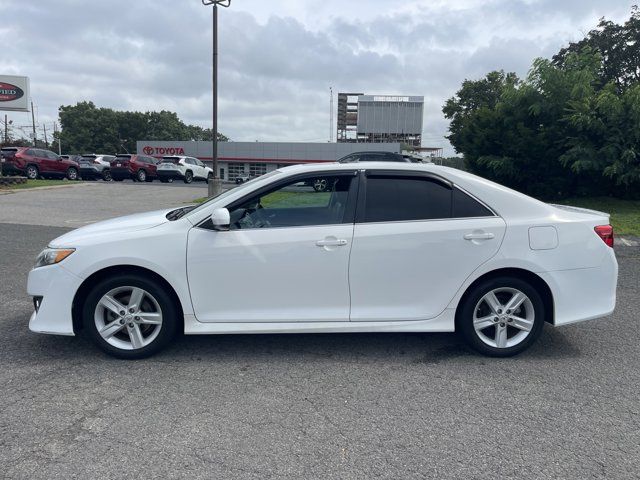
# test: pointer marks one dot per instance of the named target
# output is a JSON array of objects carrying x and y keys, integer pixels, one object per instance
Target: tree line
[
  {"x": 570, "y": 128},
  {"x": 87, "y": 128}
]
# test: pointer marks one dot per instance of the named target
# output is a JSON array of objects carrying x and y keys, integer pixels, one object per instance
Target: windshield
[{"x": 232, "y": 191}]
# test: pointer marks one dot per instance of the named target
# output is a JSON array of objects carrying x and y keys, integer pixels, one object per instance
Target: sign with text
[{"x": 14, "y": 93}]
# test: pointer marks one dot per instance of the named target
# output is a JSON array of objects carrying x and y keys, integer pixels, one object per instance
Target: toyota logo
[{"x": 148, "y": 150}]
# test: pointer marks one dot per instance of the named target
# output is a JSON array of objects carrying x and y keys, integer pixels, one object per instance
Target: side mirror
[{"x": 221, "y": 219}]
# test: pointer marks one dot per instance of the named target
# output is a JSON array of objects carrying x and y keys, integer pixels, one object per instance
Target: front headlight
[{"x": 50, "y": 256}]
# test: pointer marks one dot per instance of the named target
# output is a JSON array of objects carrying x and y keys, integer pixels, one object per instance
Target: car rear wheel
[
  {"x": 141, "y": 175},
  {"x": 501, "y": 317},
  {"x": 209, "y": 177},
  {"x": 72, "y": 174},
  {"x": 188, "y": 176},
  {"x": 130, "y": 316},
  {"x": 106, "y": 175},
  {"x": 31, "y": 172}
]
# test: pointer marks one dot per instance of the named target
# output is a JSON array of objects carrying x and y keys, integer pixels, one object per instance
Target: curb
[{"x": 46, "y": 187}]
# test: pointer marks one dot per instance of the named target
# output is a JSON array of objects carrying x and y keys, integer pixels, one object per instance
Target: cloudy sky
[{"x": 278, "y": 58}]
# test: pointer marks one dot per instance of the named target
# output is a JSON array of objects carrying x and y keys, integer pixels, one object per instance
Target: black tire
[
  {"x": 106, "y": 175},
  {"x": 141, "y": 175},
  {"x": 209, "y": 177},
  {"x": 31, "y": 172},
  {"x": 188, "y": 176},
  {"x": 117, "y": 179},
  {"x": 168, "y": 309},
  {"x": 465, "y": 316},
  {"x": 72, "y": 174},
  {"x": 164, "y": 180}
]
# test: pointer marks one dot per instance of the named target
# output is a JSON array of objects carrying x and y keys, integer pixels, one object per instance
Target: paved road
[
  {"x": 87, "y": 202},
  {"x": 317, "y": 406}
]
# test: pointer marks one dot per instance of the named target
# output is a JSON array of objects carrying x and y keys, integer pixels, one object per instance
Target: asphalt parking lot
[{"x": 304, "y": 406}]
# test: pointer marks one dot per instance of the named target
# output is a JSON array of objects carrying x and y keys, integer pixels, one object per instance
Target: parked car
[
  {"x": 243, "y": 179},
  {"x": 94, "y": 166},
  {"x": 36, "y": 162},
  {"x": 139, "y": 168},
  {"x": 393, "y": 248},
  {"x": 186, "y": 169},
  {"x": 374, "y": 157}
]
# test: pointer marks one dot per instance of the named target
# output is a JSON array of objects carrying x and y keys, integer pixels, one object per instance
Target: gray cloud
[{"x": 278, "y": 59}]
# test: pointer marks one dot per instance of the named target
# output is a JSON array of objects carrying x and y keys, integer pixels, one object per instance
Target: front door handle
[
  {"x": 479, "y": 236},
  {"x": 331, "y": 242}
]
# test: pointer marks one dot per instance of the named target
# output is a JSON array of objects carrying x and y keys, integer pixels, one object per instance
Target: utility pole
[
  {"x": 46, "y": 142},
  {"x": 33, "y": 120},
  {"x": 55, "y": 129},
  {"x": 215, "y": 185}
]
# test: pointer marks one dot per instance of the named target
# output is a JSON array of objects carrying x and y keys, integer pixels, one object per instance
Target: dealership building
[{"x": 237, "y": 159}]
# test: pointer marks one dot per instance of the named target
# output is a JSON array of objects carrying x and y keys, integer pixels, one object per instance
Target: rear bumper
[
  {"x": 585, "y": 293},
  {"x": 11, "y": 169},
  {"x": 120, "y": 174},
  {"x": 170, "y": 174},
  {"x": 57, "y": 288},
  {"x": 90, "y": 172}
]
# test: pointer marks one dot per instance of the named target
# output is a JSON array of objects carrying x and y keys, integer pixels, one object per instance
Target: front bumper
[{"x": 57, "y": 287}]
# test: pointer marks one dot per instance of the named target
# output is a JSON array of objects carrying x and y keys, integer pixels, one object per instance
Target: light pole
[{"x": 215, "y": 185}]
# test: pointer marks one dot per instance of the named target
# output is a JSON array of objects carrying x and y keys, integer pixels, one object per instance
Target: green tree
[
  {"x": 619, "y": 47},
  {"x": 86, "y": 128}
]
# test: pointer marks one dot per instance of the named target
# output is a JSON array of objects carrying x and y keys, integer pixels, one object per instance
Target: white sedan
[{"x": 383, "y": 248}]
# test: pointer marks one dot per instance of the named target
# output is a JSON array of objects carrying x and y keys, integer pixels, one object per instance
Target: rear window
[
  {"x": 174, "y": 160},
  {"x": 8, "y": 152}
]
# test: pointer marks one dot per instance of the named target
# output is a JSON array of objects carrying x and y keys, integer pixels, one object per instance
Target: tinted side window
[
  {"x": 464, "y": 206},
  {"x": 392, "y": 199}
]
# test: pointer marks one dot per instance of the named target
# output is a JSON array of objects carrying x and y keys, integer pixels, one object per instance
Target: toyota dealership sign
[{"x": 14, "y": 93}]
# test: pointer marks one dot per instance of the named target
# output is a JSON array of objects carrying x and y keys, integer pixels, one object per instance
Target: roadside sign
[{"x": 14, "y": 93}]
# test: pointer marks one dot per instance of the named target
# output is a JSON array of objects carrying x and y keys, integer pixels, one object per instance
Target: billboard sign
[{"x": 14, "y": 93}]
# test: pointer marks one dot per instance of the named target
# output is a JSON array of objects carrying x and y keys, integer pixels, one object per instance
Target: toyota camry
[{"x": 384, "y": 247}]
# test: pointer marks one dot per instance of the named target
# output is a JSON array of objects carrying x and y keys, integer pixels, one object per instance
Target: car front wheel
[
  {"x": 72, "y": 174},
  {"x": 106, "y": 175},
  {"x": 130, "y": 316},
  {"x": 501, "y": 317}
]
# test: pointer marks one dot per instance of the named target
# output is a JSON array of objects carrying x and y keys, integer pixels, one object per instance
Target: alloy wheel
[
  {"x": 320, "y": 185},
  {"x": 503, "y": 317},
  {"x": 32, "y": 172},
  {"x": 72, "y": 174},
  {"x": 128, "y": 318}
]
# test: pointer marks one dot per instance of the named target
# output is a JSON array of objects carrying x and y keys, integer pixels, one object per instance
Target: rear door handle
[
  {"x": 479, "y": 236},
  {"x": 331, "y": 242}
]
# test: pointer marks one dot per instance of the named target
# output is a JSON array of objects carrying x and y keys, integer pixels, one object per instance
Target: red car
[
  {"x": 35, "y": 162},
  {"x": 140, "y": 168}
]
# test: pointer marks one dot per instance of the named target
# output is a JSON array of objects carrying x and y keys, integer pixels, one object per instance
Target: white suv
[{"x": 187, "y": 169}]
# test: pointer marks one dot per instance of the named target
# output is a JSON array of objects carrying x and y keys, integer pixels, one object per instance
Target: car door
[
  {"x": 202, "y": 169},
  {"x": 285, "y": 257},
  {"x": 47, "y": 163},
  {"x": 416, "y": 239}
]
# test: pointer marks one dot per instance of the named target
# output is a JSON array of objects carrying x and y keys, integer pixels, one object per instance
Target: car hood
[{"x": 108, "y": 228}]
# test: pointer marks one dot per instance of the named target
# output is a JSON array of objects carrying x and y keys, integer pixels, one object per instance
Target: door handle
[
  {"x": 479, "y": 236},
  {"x": 331, "y": 242}
]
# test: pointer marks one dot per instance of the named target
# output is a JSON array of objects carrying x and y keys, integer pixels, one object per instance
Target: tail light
[{"x": 605, "y": 232}]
